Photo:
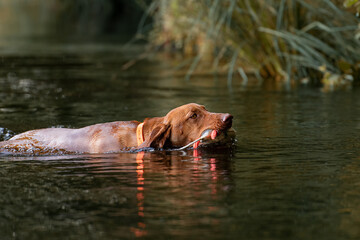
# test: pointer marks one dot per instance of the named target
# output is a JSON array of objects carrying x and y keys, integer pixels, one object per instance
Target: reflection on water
[
  {"x": 110, "y": 194},
  {"x": 293, "y": 173}
]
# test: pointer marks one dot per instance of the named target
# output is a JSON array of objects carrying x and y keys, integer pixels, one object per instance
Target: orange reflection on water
[
  {"x": 196, "y": 155},
  {"x": 214, "y": 177},
  {"x": 181, "y": 171},
  {"x": 140, "y": 231}
]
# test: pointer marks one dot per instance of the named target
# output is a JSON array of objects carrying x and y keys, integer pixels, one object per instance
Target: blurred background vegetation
[
  {"x": 290, "y": 41},
  {"x": 78, "y": 20},
  {"x": 287, "y": 41}
]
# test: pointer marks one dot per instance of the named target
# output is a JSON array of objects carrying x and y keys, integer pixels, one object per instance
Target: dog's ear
[
  {"x": 157, "y": 133},
  {"x": 158, "y": 137}
]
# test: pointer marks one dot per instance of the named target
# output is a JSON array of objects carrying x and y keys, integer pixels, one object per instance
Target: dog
[{"x": 178, "y": 128}]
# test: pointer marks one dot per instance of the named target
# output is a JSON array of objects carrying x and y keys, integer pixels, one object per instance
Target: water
[{"x": 293, "y": 173}]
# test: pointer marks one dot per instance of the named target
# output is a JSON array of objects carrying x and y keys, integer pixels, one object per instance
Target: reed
[{"x": 286, "y": 40}]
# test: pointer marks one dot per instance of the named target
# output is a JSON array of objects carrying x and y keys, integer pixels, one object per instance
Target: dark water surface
[{"x": 294, "y": 173}]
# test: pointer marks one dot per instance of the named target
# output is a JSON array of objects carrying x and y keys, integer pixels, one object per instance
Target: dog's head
[{"x": 183, "y": 125}]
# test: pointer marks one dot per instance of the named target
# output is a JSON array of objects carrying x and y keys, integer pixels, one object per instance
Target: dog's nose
[{"x": 227, "y": 117}]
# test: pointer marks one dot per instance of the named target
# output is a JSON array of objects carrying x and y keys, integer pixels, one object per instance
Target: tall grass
[{"x": 280, "y": 39}]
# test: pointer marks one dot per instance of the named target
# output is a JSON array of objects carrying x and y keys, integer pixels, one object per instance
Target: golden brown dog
[{"x": 179, "y": 127}]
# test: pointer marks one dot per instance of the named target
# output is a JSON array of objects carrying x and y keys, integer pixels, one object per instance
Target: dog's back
[{"x": 104, "y": 137}]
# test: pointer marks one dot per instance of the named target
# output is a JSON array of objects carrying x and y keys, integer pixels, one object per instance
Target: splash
[{"x": 5, "y": 134}]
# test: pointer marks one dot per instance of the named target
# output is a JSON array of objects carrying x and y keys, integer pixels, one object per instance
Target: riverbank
[{"x": 286, "y": 41}]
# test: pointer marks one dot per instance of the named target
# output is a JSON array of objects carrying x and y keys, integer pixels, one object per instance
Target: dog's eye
[{"x": 193, "y": 116}]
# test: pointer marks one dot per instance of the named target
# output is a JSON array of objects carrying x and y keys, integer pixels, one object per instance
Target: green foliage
[
  {"x": 286, "y": 39},
  {"x": 353, "y": 3},
  {"x": 349, "y": 3}
]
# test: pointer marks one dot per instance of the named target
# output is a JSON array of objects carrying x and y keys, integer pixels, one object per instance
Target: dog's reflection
[
  {"x": 176, "y": 175},
  {"x": 200, "y": 171}
]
